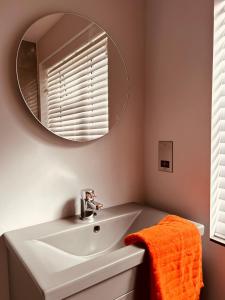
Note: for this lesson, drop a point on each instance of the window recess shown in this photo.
(217, 193)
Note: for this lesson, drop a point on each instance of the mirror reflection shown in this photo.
(71, 76)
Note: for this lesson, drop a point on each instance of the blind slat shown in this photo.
(83, 132)
(85, 105)
(89, 82)
(80, 121)
(77, 101)
(84, 94)
(88, 62)
(83, 138)
(87, 126)
(76, 80)
(77, 57)
(81, 115)
(91, 109)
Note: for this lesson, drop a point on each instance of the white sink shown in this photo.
(69, 255)
(81, 242)
(93, 239)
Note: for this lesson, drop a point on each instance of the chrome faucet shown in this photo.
(88, 204)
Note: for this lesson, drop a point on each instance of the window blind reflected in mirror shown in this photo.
(77, 92)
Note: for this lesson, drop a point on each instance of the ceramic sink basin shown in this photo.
(93, 239)
(82, 242)
(69, 255)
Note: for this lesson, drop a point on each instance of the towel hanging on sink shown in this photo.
(175, 251)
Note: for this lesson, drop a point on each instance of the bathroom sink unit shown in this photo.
(75, 259)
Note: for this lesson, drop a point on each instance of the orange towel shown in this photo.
(174, 246)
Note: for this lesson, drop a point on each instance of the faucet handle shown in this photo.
(88, 194)
(98, 205)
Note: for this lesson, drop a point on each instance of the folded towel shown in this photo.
(174, 247)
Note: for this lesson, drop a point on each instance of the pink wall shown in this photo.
(59, 34)
(178, 106)
(178, 103)
(40, 173)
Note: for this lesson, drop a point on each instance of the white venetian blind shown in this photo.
(78, 92)
(217, 209)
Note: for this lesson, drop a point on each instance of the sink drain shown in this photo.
(96, 228)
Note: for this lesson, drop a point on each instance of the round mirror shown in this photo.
(71, 76)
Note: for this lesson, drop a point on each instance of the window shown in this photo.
(77, 92)
(217, 211)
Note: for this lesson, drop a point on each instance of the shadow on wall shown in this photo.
(69, 208)
(4, 287)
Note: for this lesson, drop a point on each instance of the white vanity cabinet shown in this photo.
(124, 286)
(120, 287)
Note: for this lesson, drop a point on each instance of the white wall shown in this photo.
(41, 173)
(178, 105)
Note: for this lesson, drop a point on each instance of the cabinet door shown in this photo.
(110, 289)
(128, 296)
